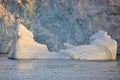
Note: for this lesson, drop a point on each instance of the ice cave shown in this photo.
(59, 29)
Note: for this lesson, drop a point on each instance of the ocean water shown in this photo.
(58, 69)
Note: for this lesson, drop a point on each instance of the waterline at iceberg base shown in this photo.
(101, 47)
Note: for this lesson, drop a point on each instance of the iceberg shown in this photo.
(101, 47)
(26, 48)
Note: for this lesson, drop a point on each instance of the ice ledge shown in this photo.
(101, 47)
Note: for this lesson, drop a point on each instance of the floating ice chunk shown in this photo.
(26, 48)
(101, 47)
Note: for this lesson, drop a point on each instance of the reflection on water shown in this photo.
(25, 66)
(59, 70)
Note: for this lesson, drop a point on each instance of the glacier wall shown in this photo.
(55, 22)
(7, 29)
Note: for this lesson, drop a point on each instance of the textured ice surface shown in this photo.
(26, 48)
(55, 22)
(101, 47)
(7, 29)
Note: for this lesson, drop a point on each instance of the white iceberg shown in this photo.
(26, 48)
(101, 47)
